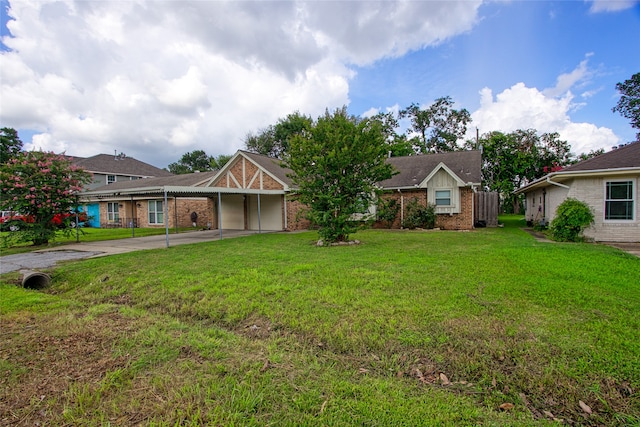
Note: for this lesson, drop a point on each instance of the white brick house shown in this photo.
(608, 183)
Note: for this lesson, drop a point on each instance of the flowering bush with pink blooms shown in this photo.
(41, 186)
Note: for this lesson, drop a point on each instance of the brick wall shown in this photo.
(461, 221)
(295, 216)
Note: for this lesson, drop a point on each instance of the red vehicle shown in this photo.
(11, 221)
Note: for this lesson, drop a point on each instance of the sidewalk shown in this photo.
(47, 258)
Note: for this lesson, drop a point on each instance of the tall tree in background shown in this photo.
(10, 144)
(198, 161)
(397, 144)
(42, 187)
(274, 140)
(629, 103)
(515, 159)
(336, 165)
(438, 127)
(190, 162)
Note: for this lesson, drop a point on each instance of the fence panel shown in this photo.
(486, 206)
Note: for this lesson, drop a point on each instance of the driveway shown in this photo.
(47, 258)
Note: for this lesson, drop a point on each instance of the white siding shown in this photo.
(232, 211)
(270, 212)
(443, 181)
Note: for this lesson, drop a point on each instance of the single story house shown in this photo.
(254, 192)
(608, 183)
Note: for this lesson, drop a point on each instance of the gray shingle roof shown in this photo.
(116, 165)
(185, 180)
(414, 169)
(624, 157)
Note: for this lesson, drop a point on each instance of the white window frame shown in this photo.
(113, 212)
(156, 216)
(630, 201)
(111, 179)
(449, 198)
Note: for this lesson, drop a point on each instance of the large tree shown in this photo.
(191, 162)
(336, 165)
(629, 103)
(517, 158)
(198, 161)
(274, 140)
(42, 187)
(10, 144)
(438, 127)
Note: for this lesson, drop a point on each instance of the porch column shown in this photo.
(220, 214)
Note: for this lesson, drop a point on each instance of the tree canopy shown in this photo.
(629, 103)
(438, 127)
(10, 144)
(512, 160)
(198, 161)
(274, 140)
(336, 165)
(42, 188)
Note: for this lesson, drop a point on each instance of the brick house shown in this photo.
(108, 169)
(608, 183)
(254, 192)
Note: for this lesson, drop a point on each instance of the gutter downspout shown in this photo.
(556, 183)
(473, 206)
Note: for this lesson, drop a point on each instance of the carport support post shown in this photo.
(220, 214)
(259, 225)
(166, 217)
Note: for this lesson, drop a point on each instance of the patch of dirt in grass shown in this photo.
(254, 327)
(43, 360)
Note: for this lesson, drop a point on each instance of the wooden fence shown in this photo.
(486, 206)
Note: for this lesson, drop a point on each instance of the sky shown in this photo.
(158, 79)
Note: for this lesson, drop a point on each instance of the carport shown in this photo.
(236, 208)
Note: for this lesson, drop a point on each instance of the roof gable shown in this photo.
(415, 171)
(442, 166)
(265, 164)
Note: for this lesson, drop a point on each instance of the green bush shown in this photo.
(387, 211)
(419, 216)
(572, 217)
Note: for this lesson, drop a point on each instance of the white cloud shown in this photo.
(521, 107)
(611, 5)
(158, 79)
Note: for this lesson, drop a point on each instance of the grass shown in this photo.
(85, 235)
(408, 328)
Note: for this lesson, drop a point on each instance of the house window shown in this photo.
(619, 200)
(443, 197)
(112, 212)
(111, 179)
(156, 215)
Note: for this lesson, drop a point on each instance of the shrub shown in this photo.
(572, 217)
(419, 216)
(387, 211)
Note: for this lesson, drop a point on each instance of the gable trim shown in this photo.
(435, 170)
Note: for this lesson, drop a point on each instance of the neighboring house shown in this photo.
(608, 183)
(446, 180)
(110, 169)
(254, 192)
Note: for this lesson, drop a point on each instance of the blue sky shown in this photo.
(158, 79)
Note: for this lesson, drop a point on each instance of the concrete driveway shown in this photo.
(47, 258)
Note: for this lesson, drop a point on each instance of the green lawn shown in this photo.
(408, 328)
